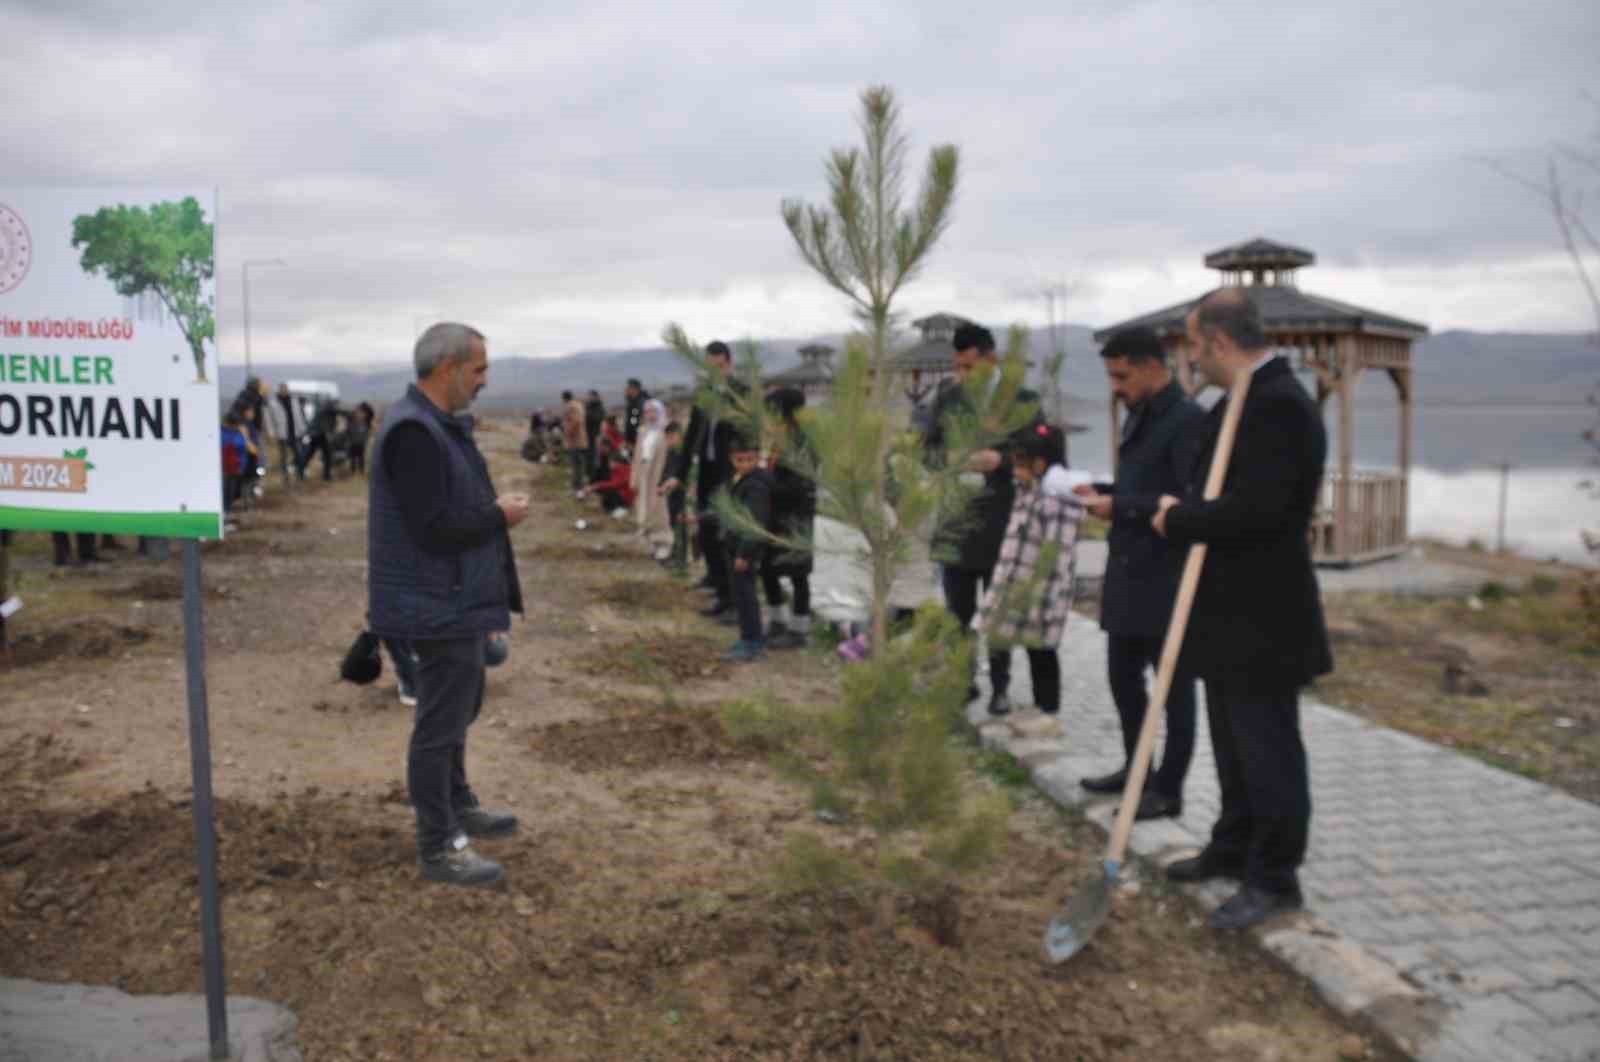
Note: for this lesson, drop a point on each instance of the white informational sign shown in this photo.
(108, 362)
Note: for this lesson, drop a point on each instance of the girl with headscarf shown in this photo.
(650, 508)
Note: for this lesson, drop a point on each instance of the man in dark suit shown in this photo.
(1256, 635)
(1154, 458)
(708, 441)
(969, 545)
(633, 412)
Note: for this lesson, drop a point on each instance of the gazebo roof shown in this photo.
(815, 368)
(1284, 307)
(927, 355)
(807, 372)
(931, 353)
(1260, 253)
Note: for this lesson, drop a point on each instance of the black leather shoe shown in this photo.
(717, 608)
(481, 822)
(1203, 867)
(1251, 906)
(1106, 783)
(1000, 704)
(461, 866)
(1155, 806)
(973, 693)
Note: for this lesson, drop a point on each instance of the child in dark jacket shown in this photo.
(752, 488)
(678, 559)
(794, 510)
(235, 455)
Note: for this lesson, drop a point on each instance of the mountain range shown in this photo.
(1452, 368)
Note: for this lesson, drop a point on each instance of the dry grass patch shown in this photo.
(1508, 676)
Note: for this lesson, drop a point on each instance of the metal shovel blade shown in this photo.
(1082, 914)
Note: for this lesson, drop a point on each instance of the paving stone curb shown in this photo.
(42, 1022)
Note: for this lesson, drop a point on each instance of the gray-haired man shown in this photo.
(441, 576)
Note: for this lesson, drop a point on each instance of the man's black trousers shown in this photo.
(711, 548)
(450, 681)
(1127, 655)
(1266, 790)
(961, 589)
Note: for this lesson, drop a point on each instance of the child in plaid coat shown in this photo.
(1030, 595)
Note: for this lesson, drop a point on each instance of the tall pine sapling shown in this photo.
(895, 765)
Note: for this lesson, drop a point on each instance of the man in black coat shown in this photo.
(633, 412)
(1256, 635)
(1154, 457)
(968, 546)
(708, 440)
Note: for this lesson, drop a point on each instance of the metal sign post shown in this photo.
(194, 651)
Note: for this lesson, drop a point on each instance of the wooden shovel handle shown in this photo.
(1176, 628)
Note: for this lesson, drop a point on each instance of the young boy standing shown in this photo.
(678, 560)
(792, 464)
(752, 488)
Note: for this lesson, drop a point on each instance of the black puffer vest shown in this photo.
(417, 593)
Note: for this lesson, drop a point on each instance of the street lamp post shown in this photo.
(249, 369)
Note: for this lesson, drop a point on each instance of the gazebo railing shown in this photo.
(1375, 521)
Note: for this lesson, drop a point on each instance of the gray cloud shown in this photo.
(567, 177)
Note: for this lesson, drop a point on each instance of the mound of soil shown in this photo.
(655, 657)
(260, 545)
(654, 595)
(30, 762)
(90, 638)
(640, 741)
(159, 586)
(585, 957)
(585, 549)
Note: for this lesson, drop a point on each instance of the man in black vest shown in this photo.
(968, 546)
(1256, 635)
(708, 442)
(1154, 458)
(633, 412)
(441, 576)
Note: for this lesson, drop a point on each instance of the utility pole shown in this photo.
(249, 368)
(1051, 377)
(1505, 484)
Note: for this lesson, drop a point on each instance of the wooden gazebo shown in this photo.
(928, 361)
(813, 376)
(1364, 514)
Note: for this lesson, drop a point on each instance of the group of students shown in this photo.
(642, 463)
(258, 422)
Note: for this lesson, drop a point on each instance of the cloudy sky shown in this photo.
(572, 176)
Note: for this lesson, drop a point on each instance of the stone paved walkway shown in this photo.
(1455, 905)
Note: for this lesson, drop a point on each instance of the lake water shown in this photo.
(1455, 484)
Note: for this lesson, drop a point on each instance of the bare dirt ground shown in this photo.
(640, 919)
(1510, 674)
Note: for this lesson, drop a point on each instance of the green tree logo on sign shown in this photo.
(167, 250)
